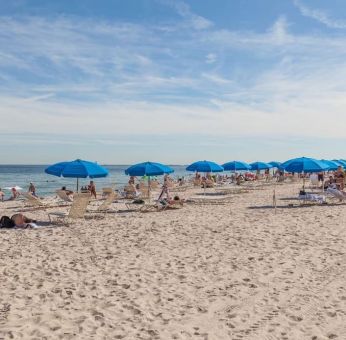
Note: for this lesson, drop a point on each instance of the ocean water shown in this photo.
(22, 175)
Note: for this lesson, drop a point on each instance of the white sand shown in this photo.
(201, 272)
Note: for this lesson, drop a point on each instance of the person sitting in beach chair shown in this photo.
(67, 192)
(130, 191)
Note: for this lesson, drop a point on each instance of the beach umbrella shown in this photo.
(77, 169)
(260, 166)
(236, 165)
(148, 169)
(275, 164)
(332, 165)
(338, 162)
(343, 162)
(304, 165)
(205, 166)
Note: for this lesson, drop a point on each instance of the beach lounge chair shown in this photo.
(104, 207)
(337, 194)
(312, 198)
(33, 201)
(77, 209)
(162, 205)
(106, 192)
(63, 196)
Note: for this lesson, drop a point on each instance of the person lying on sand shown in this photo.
(21, 221)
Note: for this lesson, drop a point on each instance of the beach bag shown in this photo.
(6, 222)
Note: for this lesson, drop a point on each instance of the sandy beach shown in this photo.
(233, 271)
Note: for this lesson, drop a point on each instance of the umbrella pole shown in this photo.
(77, 184)
(303, 181)
(149, 188)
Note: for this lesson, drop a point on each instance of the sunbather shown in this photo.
(21, 221)
(68, 192)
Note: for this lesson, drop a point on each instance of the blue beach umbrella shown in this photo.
(339, 162)
(148, 169)
(332, 165)
(275, 164)
(77, 169)
(304, 164)
(260, 166)
(205, 166)
(343, 162)
(236, 166)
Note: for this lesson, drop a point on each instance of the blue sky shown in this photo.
(172, 81)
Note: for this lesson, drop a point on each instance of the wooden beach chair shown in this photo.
(77, 209)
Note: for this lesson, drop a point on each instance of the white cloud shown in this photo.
(319, 15)
(128, 80)
(210, 58)
(183, 9)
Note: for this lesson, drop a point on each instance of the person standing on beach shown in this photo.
(92, 188)
(32, 189)
(2, 195)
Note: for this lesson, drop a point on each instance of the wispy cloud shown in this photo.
(183, 9)
(64, 74)
(319, 15)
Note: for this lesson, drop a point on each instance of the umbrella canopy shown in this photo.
(236, 165)
(260, 166)
(77, 169)
(343, 162)
(304, 164)
(338, 162)
(148, 169)
(275, 164)
(332, 165)
(205, 166)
